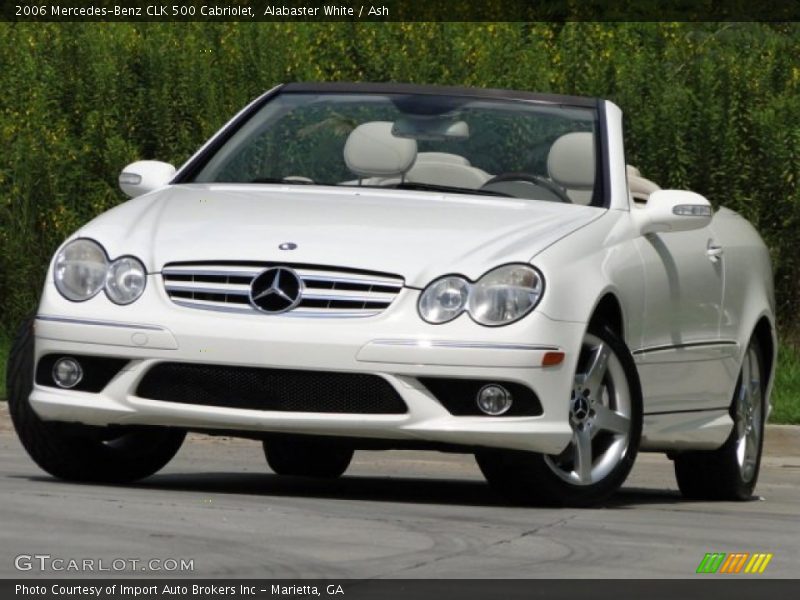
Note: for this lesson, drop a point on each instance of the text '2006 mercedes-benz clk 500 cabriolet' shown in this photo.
(374, 266)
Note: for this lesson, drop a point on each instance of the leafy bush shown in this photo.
(711, 107)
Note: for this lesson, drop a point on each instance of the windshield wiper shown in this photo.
(432, 187)
(281, 180)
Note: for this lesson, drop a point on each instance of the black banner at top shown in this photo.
(399, 10)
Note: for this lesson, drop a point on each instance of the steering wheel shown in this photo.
(530, 178)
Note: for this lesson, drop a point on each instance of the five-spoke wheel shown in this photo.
(600, 417)
(605, 415)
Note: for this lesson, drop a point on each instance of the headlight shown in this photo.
(80, 270)
(500, 297)
(505, 294)
(125, 280)
(444, 299)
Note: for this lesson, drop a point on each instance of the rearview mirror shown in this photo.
(145, 176)
(673, 210)
(434, 128)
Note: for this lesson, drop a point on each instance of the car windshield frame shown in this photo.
(601, 195)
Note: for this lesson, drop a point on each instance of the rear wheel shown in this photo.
(606, 419)
(78, 452)
(731, 472)
(307, 458)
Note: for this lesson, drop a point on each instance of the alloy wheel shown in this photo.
(748, 416)
(599, 415)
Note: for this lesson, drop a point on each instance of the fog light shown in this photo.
(494, 399)
(67, 373)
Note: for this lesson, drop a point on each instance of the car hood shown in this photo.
(418, 235)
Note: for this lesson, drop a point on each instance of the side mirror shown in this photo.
(673, 210)
(145, 176)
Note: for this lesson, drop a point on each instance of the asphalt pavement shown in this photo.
(393, 514)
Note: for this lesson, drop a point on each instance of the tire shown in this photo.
(731, 471)
(77, 452)
(307, 458)
(606, 419)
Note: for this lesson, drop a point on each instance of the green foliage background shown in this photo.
(711, 107)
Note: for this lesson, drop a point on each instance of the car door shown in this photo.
(680, 358)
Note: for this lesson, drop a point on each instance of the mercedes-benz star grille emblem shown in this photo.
(276, 290)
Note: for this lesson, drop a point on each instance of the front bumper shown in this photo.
(396, 345)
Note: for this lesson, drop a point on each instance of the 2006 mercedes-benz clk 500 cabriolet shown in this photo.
(374, 266)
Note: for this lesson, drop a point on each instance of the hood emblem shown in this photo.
(288, 246)
(276, 290)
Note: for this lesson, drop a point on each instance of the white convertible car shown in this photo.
(373, 266)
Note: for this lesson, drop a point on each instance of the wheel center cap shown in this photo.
(580, 408)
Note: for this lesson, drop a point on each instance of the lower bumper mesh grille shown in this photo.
(271, 389)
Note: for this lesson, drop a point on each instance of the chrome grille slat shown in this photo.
(219, 272)
(347, 295)
(220, 306)
(235, 290)
(328, 291)
(316, 276)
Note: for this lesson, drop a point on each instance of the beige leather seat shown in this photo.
(442, 157)
(447, 173)
(374, 154)
(571, 164)
(640, 187)
(445, 168)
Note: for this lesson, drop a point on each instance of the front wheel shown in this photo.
(605, 415)
(731, 472)
(77, 452)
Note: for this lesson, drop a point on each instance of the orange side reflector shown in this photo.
(551, 359)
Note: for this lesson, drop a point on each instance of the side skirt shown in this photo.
(689, 430)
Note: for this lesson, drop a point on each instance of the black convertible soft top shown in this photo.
(440, 90)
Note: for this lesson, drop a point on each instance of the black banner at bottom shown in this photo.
(702, 588)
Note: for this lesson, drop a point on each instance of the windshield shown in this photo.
(520, 149)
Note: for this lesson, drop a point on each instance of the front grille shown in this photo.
(271, 389)
(328, 291)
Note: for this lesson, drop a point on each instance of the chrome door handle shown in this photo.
(714, 251)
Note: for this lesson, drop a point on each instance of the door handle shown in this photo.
(714, 251)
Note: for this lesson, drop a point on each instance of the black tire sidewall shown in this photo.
(73, 451)
(307, 458)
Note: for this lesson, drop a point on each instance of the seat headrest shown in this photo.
(640, 187)
(571, 161)
(632, 171)
(372, 151)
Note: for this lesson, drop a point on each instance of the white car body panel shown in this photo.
(686, 318)
(618, 184)
(374, 229)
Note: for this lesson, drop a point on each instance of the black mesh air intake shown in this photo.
(271, 389)
(98, 371)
